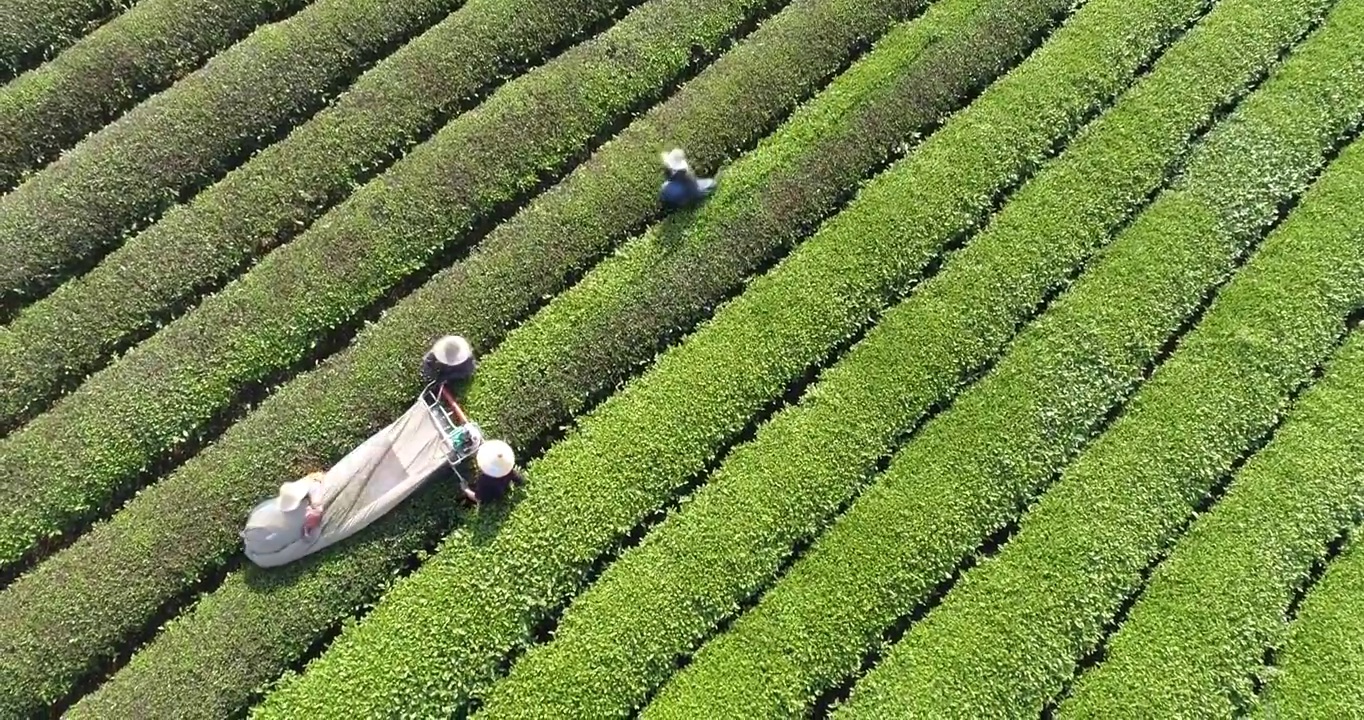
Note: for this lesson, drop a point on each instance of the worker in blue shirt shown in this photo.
(681, 187)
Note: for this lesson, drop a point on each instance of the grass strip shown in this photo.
(136, 54)
(77, 459)
(33, 30)
(619, 640)
(1319, 673)
(1043, 602)
(971, 467)
(83, 604)
(123, 177)
(1194, 641)
(275, 195)
(580, 476)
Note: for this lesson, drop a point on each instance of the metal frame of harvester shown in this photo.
(462, 436)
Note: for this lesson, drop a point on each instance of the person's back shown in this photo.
(680, 186)
(677, 192)
(488, 488)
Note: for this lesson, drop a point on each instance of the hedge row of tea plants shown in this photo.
(31, 30)
(609, 488)
(277, 194)
(80, 606)
(969, 470)
(662, 284)
(1039, 606)
(114, 68)
(68, 464)
(123, 177)
(618, 640)
(1194, 641)
(1319, 671)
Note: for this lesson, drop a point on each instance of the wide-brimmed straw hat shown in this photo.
(292, 494)
(675, 159)
(452, 349)
(495, 458)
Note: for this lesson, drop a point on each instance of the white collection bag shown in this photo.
(368, 482)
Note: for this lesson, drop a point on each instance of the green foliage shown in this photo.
(83, 603)
(1038, 607)
(122, 177)
(286, 253)
(67, 464)
(117, 66)
(593, 487)
(277, 194)
(659, 286)
(1194, 641)
(1320, 670)
(970, 469)
(31, 30)
(618, 640)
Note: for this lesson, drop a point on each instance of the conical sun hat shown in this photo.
(496, 458)
(452, 349)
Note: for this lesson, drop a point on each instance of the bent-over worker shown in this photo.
(496, 472)
(450, 358)
(681, 187)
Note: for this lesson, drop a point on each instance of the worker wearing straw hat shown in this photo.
(295, 493)
(496, 472)
(450, 358)
(681, 187)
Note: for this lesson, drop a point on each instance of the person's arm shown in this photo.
(312, 520)
(312, 517)
(469, 493)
